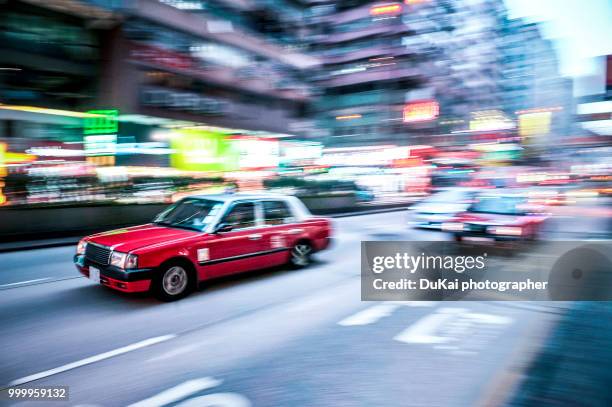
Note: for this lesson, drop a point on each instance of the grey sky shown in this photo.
(580, 29)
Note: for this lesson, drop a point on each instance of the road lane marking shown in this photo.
(369, 315)
(416, 303)
(489, 318)
(178, 392)
(449, 325)
(217, 400)
(174, 352)
(423, 331)
(24, 282)
(40, 281)
(92, 359)
(377, 312)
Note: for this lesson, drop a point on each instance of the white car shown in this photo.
(440, 207)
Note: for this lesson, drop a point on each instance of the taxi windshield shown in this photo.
(501, 205)
(191, 213)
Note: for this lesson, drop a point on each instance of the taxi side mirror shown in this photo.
(223, 227)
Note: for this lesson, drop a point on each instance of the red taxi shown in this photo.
(498, 217)
(203, 237)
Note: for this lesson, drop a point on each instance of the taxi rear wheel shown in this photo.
(173, 282)
(301, 254)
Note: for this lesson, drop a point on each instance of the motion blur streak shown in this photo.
(250, 330)
(471, 124)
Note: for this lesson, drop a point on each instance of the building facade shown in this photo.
(219, 63)
(369, 72)
(430, 72)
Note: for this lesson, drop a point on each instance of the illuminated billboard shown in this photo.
(534, 124)
(386, 9)
(100, 128)
(203, 150)
(421, 111)
(256, 153)
(102, 122)
(300, 153)
(490, 120)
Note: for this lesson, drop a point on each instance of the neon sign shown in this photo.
(386, 9)
(103, 122)
(421, 111)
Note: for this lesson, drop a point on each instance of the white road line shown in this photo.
(217, 400)
(92, 359)
(416, 303)
(174, 352)
(179, 392)
(489, 318)
(423, 331)
(370, 315)
(25, 282)
(377, 312)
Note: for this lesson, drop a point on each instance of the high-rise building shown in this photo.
(532, 86)
(226, 63)
(404, 72)
(207, 65)
(370, 70)
(50, 58)
(345, 73)
(398, 72)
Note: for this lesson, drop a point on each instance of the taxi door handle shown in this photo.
(295, 231)
(255, 237)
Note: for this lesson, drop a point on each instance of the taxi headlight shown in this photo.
(131, 261)
(81, 247)
(118, 259)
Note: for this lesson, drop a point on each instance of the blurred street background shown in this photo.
(390, 116)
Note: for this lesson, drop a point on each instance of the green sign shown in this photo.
(106, 123)
(203, 150)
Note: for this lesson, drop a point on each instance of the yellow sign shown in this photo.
(534, 124)
(12, 158)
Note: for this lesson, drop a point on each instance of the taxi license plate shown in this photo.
(94, 274)
(478, 239)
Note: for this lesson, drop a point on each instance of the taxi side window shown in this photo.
(242, 215)
(276, 213)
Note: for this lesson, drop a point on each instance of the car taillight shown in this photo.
(506, 230)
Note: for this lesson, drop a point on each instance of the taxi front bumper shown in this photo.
(130, 281)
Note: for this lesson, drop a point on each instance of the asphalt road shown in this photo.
(271, 338)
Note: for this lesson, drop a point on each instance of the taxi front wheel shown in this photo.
(173, 282)
(301, 255)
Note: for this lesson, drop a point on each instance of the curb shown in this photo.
(37, 244)
(369, 212)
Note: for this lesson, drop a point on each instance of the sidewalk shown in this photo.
(573, 367)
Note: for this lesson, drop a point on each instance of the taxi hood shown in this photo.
(137, 237)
